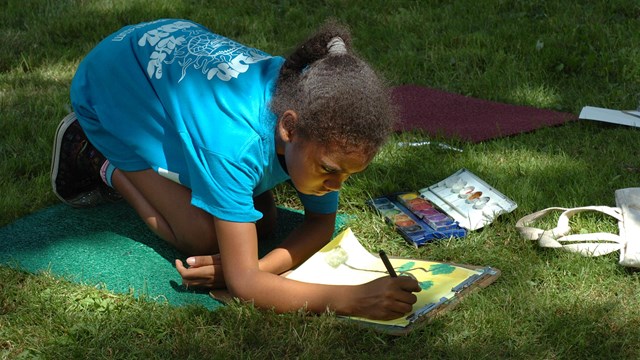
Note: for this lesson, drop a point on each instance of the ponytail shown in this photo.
(315, 48)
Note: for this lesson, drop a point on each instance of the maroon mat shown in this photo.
(448, 115)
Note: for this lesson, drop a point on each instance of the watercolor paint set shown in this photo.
(449, 208)
(468, 199)
(418, 220)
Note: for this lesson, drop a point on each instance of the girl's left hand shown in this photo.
(203, 271)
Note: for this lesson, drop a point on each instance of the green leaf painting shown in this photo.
(425, 285)
(441, 269)
(406, 266)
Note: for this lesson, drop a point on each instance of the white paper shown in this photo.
(628, 118)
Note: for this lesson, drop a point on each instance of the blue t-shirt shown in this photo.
(192, 105)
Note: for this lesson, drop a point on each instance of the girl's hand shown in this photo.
(203, 271)
(385, 298)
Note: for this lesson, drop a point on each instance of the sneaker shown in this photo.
(75, 167)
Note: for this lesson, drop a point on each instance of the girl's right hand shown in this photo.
(386, 298)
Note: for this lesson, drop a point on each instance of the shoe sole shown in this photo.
(55, 158)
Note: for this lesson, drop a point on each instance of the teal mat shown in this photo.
(109, 245)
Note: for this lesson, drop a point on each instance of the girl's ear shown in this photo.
(287, 125)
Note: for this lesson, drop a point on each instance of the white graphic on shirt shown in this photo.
(214, 55)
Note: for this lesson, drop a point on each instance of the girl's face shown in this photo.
(317, 170)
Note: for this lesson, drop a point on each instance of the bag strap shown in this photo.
(593, 244)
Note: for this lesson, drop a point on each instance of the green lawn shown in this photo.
(559, 55)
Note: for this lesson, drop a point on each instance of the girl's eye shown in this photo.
(327, 169)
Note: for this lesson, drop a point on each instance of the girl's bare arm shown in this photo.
(384, 298)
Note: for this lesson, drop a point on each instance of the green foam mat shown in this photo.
(109, 245)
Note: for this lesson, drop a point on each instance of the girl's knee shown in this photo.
(166, 208)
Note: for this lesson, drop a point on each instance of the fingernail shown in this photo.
(191, 261)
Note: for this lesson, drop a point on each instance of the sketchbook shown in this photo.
(344, 261)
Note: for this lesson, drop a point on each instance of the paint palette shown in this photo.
(418, 220)
(447, 209)
(468, 199)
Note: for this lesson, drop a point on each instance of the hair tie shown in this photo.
(336, 46)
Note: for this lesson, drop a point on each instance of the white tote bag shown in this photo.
(627, 241)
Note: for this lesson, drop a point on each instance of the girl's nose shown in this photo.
(334, 183)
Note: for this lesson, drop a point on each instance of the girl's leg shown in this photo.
(165, 207)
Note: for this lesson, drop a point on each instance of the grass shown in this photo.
(560, 55)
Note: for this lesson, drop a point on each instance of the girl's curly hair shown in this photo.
(340, 100)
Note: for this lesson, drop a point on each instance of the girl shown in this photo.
(193, 130)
